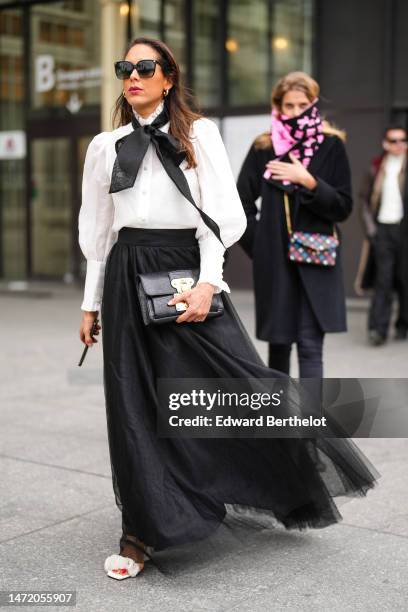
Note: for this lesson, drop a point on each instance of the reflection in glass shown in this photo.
(265, 40)
(145, 18)
(11, 71)
(206, 52)
(66, 54)
(51, 207)
(12, 184)
(291, 41)
(175, 31)
(247, 49)
(13, 219)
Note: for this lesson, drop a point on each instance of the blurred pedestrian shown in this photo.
(384, 259)
(300, 170)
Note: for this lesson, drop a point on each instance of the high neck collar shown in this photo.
(396, 158)
(152, 116)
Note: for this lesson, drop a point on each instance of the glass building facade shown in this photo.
(230, 53)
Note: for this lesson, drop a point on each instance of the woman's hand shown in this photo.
(294, 172)
(86, 326)
(198, 300)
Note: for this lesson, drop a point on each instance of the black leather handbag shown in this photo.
(155, 289)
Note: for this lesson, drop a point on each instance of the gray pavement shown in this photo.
(58, 518)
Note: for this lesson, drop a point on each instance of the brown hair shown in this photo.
(299, 81)
(181, 115)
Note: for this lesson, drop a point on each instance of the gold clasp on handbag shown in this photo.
(182, 284)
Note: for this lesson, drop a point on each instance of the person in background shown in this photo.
(384, 261)
(306, 158)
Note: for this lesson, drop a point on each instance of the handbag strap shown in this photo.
(287, 214)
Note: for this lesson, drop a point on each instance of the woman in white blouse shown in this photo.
(136, 218)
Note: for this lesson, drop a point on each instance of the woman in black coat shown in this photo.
(295, 302)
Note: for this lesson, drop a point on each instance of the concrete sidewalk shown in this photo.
(58, 517)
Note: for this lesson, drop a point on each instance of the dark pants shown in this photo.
(309, 345)
(387, 247)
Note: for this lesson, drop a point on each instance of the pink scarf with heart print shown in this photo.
(301, 135)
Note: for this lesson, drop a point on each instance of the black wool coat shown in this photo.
(277, 280)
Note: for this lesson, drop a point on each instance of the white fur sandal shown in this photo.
(120, 567)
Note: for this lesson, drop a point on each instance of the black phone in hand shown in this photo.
(93, 330)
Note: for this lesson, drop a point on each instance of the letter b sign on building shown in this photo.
(44, 73)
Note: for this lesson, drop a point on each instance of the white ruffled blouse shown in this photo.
(155, 202)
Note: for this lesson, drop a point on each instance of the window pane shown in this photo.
(66, 55)
(51, 207)
(247, 51)
(265, 40)
(174, 30)
(206, 52)
(12, 178)
(145, 18)
(291, 36)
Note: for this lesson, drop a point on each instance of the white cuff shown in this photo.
(220, 285)
(211, 262)
(95, 273)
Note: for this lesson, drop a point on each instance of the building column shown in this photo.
(114, 16)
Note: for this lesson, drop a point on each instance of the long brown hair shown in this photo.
(181, 115)
(299, 81)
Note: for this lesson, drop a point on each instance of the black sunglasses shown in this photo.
(396, 140)
(145, 68)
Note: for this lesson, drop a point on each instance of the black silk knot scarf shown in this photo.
(131, 149)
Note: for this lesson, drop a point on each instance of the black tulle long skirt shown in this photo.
(175, 490)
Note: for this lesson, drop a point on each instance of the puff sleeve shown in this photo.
(95, 234)
(219, 198)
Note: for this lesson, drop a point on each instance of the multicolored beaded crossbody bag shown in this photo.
(310, 247)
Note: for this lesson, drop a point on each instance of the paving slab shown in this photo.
(59, 520)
